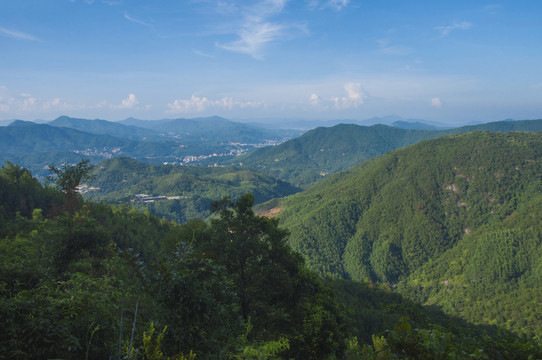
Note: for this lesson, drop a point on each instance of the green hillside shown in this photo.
(463, 210)
(324, 151)
(194, 188)
(84, 280)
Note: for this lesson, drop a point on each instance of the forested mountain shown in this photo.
(323, 151)
(80, 280)
(449, 219)
(23, 137)
(37, 145)
(190, 190)
(105, 127)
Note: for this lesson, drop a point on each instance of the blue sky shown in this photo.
(447, 61)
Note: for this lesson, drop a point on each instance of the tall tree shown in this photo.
(276, 293)
(69, 178)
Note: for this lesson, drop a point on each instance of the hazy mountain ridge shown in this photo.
(213, 129)
(104, 127)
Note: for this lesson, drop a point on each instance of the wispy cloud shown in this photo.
(91, 2)
(435, 102)
(15, 34)
(446, 30)
(338, 4)
(199, 104)
(201, 53)
(253, 37)
(137, 21)
(385, 47)
(492, 9)
(257, 29)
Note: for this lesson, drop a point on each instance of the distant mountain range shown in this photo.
(179, 141)
(323, 151)
(213, 129)
(392, 120)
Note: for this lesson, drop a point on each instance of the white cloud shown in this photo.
(257, 29)
(130, 102)
(446, 30)
(57, 104)
(435, 102)
(353, 98)
(199, 104)
(314, 99)
(15, 34)
(194, 104)
(28, 102)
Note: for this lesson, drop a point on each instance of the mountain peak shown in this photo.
(22, 123)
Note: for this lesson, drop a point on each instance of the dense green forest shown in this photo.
(190, 189)
(326, 151)
(85, 280)
(453, 221)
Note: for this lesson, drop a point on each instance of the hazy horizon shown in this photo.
(455, 63)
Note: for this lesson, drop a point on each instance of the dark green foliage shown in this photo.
(197, 301)
(57, 319)
(274, 291)
(21, 193)
(87, 283)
